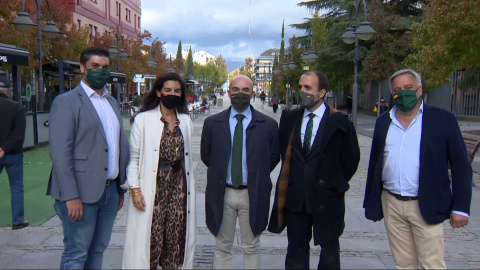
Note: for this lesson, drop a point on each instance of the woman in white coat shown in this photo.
(161, 213)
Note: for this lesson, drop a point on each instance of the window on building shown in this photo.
(79, 22)
(138, 21)
(78, 2)
(95, 28)
(117, 8)
(127, 15)
(135, 21)
(91, 31)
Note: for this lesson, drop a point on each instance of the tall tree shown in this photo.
(189, 67)
(282, 44)
(447, 40)
(247, 69)
(177, 63)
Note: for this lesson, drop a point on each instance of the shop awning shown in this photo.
(13, 55)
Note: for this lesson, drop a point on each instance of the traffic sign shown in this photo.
(28, 92)
(287, 85)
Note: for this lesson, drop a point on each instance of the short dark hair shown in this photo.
(322, 79)
(89, 51)
(151, 100)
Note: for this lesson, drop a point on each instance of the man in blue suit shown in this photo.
(408, 182)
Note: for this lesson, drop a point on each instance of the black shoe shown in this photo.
(20, 226)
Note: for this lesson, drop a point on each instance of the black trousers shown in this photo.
(299, 233)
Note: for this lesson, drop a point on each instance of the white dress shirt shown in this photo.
(401, 157)
(316, 122)
(111, 127)
(233, 123)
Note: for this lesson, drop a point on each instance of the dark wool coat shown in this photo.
(262, 156)
(320, 180)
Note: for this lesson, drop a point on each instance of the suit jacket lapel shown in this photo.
(224, 124)
(297, 129)
(426, 131)
(91, 109)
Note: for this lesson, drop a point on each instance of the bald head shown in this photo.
(241, 79)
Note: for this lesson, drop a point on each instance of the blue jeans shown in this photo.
(86, 240)
(14, 166)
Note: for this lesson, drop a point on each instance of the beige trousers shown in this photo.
(413, 241)
(236, 204)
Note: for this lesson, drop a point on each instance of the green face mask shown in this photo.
(98, 77)
(405, 100)
(240, 101)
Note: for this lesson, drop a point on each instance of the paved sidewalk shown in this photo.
(364, 243)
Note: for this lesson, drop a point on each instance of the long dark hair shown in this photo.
(151, 100)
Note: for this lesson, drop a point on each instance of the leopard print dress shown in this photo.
(169, 221)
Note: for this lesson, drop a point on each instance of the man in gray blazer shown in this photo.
(89, 151)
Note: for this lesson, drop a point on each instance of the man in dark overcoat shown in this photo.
(320, 154)
(240, 148)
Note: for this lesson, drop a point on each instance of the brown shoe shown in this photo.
(20, 226)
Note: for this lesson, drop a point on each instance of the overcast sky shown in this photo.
(222, 26)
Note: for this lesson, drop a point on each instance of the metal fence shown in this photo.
(464, 102)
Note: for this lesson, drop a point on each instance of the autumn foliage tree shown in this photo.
(447, 40)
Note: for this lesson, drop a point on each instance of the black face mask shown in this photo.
(170, 101)
(240, 101)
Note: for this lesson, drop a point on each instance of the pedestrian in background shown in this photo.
(161, 224)
(240, 148)
(275, 103)
(12, 135)
(320, 154)
(89, 151)
(408, 181)
(383, 105)
(263, 97)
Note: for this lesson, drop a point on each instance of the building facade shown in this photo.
(104, 15)
(264, 69)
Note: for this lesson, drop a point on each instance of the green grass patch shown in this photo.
(36, 171)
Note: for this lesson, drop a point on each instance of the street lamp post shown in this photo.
(117, 50)
(363, 31)
(182, 73)
(23, 23)
(170, 67)
(309, 56)
(277, 72)
(287, 67)
(152, 63)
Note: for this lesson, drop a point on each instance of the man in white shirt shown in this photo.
(89, 151)
(408, 182)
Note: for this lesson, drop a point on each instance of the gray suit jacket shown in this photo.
(79, 150)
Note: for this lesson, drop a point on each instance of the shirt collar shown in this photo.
(318, 112)
(90, 91)
(247, 113)
(394, 110)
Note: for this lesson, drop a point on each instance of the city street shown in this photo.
(364, 244)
